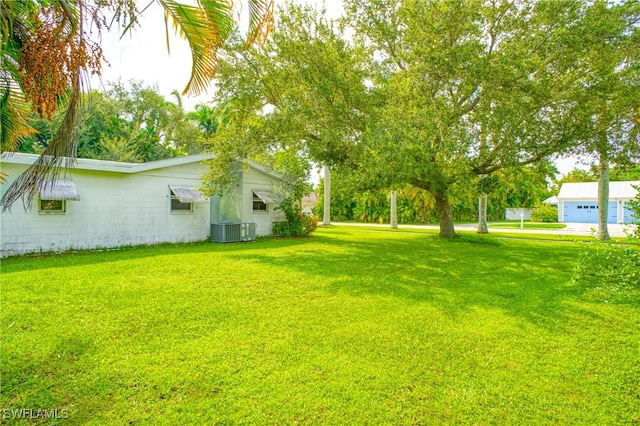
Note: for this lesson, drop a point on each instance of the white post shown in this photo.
(521, 220)
(394, 211)
(326, 217)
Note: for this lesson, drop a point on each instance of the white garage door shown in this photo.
(587, 212)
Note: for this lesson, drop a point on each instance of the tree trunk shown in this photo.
(603, 198)
(446, 218)
(326, 217)
(483, 228)
(394, 211)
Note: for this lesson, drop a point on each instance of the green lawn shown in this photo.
(347, 327)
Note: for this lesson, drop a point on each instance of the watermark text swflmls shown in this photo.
(34, 413)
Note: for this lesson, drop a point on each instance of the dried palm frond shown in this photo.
(57, 158)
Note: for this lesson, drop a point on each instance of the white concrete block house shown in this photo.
(578, 202)
(111, 204)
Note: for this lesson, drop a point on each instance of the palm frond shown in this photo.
(205, 27)
(13, 117)
(59, 156)
(260, 21)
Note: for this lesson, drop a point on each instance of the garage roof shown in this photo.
(589, 190)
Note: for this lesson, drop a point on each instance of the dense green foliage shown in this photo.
(296, 224)
(523, 187)
(635, 207)
(545, 213)
(132, 123)
(346, 327)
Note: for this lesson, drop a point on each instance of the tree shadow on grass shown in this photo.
(526, 279)
(523, 279)
(35, 261)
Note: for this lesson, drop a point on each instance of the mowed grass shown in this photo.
(347, 327)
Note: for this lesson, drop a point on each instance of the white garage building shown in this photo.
(578, 202)
(112, 204)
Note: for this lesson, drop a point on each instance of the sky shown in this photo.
(142, 55)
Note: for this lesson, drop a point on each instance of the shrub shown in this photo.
(634, 231)
(545, 213)
(300, 225)
(297, 224)
(613, 271)
(309, 224)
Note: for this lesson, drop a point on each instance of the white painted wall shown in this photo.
(123, 204)
(620, 203)
(514, 213)
(116, 209)
(560, 211)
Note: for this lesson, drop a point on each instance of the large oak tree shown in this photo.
(427, 93)
(472, 87)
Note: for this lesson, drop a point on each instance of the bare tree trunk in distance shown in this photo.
(446, 219)
(394, 210)
(326, 217)
(483, 228)
(603, 198)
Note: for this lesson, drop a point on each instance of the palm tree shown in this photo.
(13, 105)
(46, 50)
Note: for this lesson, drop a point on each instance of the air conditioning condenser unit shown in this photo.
(232, 232)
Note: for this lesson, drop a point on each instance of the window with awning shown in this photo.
(183, 197)
(262, 197)
(61, 190)
(186, 194)
(53, 196)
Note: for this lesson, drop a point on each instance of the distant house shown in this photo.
(111, 204)
(578, 202)
(309, 201)
(518, 213)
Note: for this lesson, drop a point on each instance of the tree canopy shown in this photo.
(129, 122)
(431, 94)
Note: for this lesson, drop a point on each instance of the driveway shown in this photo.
(571, 228)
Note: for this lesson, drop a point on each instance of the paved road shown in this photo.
(571, 228)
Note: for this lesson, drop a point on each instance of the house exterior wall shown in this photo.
(514, 213)
(578, 202)
(254, 179)
(115, 209)
(627, 213)
(619, 211)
